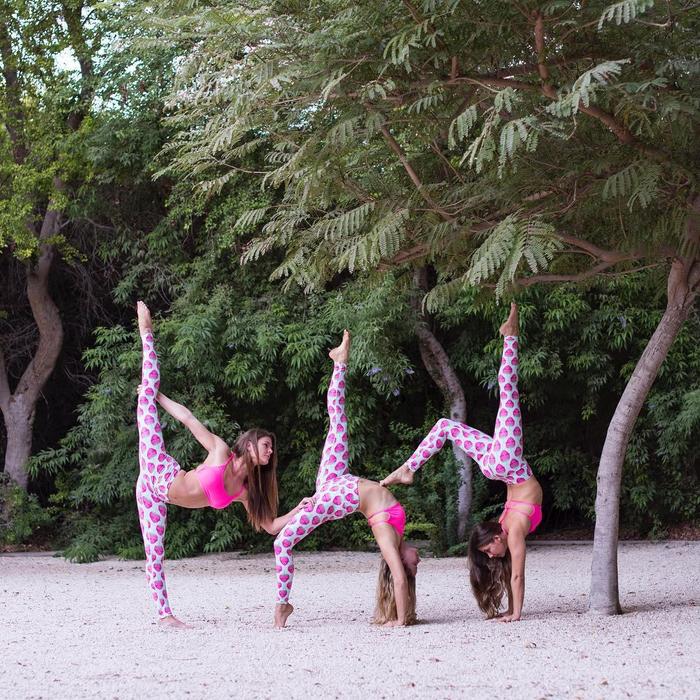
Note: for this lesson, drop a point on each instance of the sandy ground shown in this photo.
(88, 631)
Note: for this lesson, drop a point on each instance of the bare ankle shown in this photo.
(282, 612)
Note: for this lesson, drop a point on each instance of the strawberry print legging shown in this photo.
(499, 457)
(157, 470)
(336, 491)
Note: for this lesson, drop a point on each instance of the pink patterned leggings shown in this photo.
(157, 470)
(336, 491)
(499, 457)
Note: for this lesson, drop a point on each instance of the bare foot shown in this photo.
(340, 354)
(144, 315)
(511, 327)
(282, 612)
(172, 621)
(402, 475)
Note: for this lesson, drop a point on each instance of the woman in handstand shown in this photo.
(339, 493)
(496, 550)
(246, 473)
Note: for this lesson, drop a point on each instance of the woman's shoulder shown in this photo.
(221, 449)
(219, 456)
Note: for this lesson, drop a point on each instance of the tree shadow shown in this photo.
(656, 606)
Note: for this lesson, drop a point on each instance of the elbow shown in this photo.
(271, 528)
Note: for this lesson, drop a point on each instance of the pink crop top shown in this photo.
(211, 479)
(396, 517)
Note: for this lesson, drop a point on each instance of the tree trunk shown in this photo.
(442, 373)
(19, 423)
(682, 290)
(18, 408)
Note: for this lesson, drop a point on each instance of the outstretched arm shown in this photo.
(516, 546)
(205, 437)
(276, 525)
(387, 541)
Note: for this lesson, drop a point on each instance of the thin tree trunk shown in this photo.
(682, 290)
(19, 423)
(440, 369)
(19, 407)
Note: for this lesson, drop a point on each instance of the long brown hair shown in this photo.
(261, 479)
(490, 578)
(385, 608)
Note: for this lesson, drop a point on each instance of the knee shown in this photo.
(445, 424)
(282, 544)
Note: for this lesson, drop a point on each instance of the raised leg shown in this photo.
(475, 443)
(157, 468)
(499, 457)
(335, 456)
(505, 461)
(153, 460)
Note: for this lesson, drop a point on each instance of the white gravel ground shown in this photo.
(88, 631)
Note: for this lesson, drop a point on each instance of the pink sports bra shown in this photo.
(396, 518)
(211, 479)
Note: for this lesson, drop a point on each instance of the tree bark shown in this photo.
(682, 289)
(19, 423)
(440, 369)
(18, 407)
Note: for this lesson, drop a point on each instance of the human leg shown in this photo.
(335, 455)
(335, 500)
(505, 461)
(475, 443)
(157, 469)
(153, 516)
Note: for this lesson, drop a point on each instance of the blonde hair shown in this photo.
(261, 479)
(385, 608)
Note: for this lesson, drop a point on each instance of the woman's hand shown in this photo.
(507, 618)
(305, 503)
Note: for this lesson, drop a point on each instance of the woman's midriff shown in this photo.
(186, 491)
(374, 497)
(529, 491)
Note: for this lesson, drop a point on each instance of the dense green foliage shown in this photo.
(326, 106)
(492, 140)
(244, 358)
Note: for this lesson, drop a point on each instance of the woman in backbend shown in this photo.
(496, 549)
(339, 493)
(245, 473)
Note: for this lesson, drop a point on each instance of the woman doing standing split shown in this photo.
(246, 473)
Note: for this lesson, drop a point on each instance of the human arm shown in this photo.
(205, 437)
(516, 595)
(274, 526)
(388, 542)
